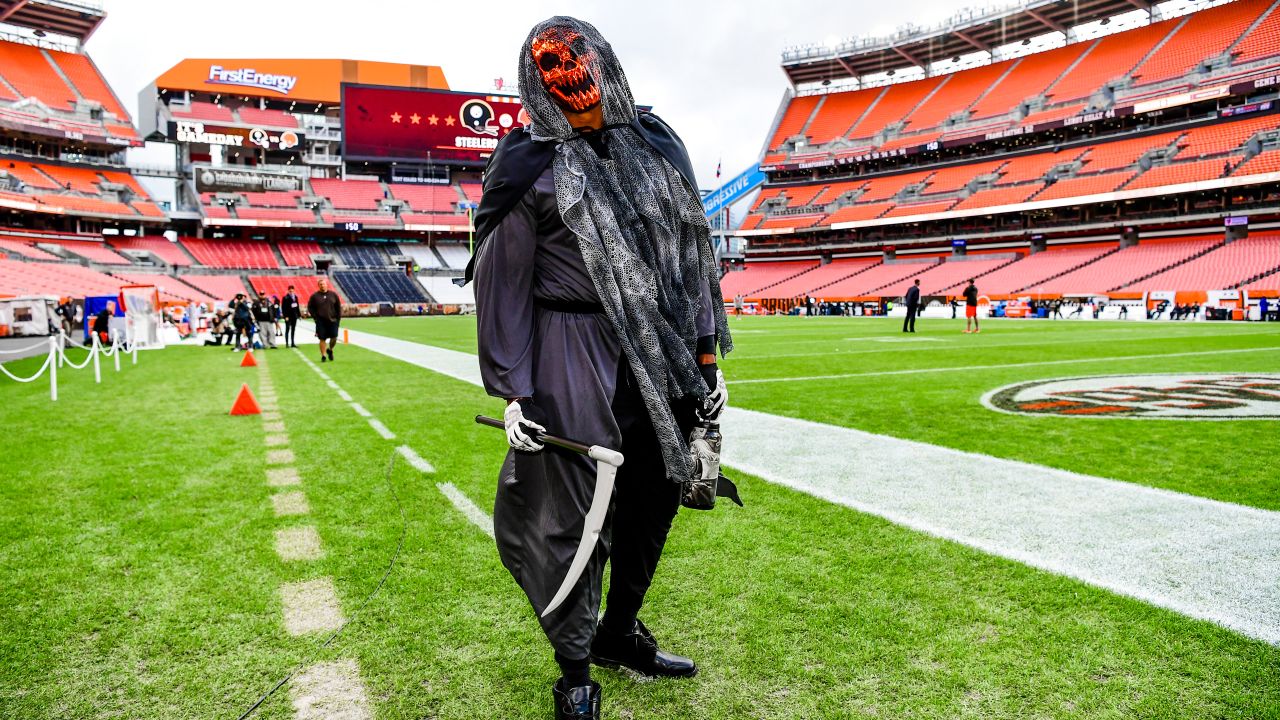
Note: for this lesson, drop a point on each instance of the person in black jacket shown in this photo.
(265, 321)
(242, 319)
(913, 307)
(291, 310)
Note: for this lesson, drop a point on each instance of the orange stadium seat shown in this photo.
(1036, 268)
(220, 287)
(297, 253)
(1176, 173)
(473, 191)
(1121, 268)
(160, 247)
(30, 174)
(883, 188)
(84, 75)
(296, 216)
(1223, 137)
(278, 285)
(349, 194)
(895, 104)
(272, 199)
(794, 119)
(427, 198)
(1082, 185)
(1030, 77)
(1265, 162)
(871, 280)
(1206, 34)
(922, 208)
(992, 197)
(759, 275)
(74, 178)
(791, 221)
(803, 195)
(231, 253)
(1105, 157)
(19, 277)
(250, 115)
(1034, 167)
(954, 178)
(203, 111)
(87, 205)
(960, 91)
(838, 114)
(1223, 269)
(1261, 42)
(29, 72)
(434, 219)
(816, 279)
(1111, 58)
(851, 213)
(25, 249)
(950, 275)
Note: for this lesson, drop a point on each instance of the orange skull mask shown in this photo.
(564, 72)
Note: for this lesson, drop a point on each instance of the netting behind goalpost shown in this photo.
(141, 305)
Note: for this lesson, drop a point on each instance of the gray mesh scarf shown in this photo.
(641, 230)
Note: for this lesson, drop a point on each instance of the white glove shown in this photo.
(517, 436)
(716, 399)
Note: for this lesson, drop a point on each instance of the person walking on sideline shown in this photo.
(291, 309)
(971, 307)
(325, 308)
(913, 307)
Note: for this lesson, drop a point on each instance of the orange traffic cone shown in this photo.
(248, 361)
(245, 403)
(346, 339)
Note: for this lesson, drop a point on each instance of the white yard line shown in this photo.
(290, 503)
(383, 430)
(967, 368)
(1210, 560)
(330, 691)
(310, 606)
(469, 510)
(283, 476)
(415, 459)
(280, 457)
(360, 409)
(298, 543)
(276, 440)
(344, 395)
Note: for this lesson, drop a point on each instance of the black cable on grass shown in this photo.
(404, 528)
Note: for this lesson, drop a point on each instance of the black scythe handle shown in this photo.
(574, 445)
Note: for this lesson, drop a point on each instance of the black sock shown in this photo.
(618, 620)
(577, 673)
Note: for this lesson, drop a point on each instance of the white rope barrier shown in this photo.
(63, 353)
(57, 357)
(33, 378)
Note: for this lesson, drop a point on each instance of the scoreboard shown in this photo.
(418, 125)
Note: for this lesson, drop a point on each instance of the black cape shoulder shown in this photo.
(519, 160)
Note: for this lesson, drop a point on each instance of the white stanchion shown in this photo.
(62, 346)
(54, 349)
(97, 370)
(115, 350)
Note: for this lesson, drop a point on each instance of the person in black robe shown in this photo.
(599, 317)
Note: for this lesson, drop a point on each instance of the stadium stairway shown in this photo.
(1069, 270)
(1183, 261)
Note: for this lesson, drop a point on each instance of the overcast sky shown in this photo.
(711, 69)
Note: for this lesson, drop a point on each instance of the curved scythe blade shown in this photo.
(607, 463)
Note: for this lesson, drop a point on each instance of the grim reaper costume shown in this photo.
(599, 315)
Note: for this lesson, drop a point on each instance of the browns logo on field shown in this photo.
(1195, 396)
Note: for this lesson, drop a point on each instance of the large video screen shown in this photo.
(413, 125)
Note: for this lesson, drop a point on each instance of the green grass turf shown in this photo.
(1224, 460)
(137, 577)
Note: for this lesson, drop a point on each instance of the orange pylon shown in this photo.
(245, 403)
(247, 360)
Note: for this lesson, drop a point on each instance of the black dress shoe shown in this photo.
(638, 651)
(576, 703)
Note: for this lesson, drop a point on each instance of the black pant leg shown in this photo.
(645, 503)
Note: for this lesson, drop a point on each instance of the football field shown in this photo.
(930, 531)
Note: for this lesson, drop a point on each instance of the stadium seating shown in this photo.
(894, 105)
(1222, 269)
(992, 197)
(1037, 268)
(1125, 267)
(954, 178)
(28, 70)
(91, 250)
(838, 114)
(422, 255)
(1082, 185)
(1264, 162)
(950, 276)
(471, 190)
(19, 277)
(207, 112)
(292, 216)
(960, 91)
(361, 256)
(1205, 35)
(866, 211)
(220, 287)
(349, 194)
(231, 253)
(1111, 58)
(447, 221)
(794, 119)
(814, 280)
(297, 253)
(1176, 173)
(1223, 137)
(455, 256)
(758, 276)
(272, 199)
(920, 208)
(427, 198)
(25, 249)
(250, 115)
(82, 73)
(1261, 42)
(170, 288)
(374, 286)
(870, 281)
(278, 285)
(160, 247)
(442, 290)
(1030, 77)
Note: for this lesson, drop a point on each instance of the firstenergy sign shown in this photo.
(248, 77)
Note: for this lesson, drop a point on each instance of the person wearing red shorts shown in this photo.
(971, 307)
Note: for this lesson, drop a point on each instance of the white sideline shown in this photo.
(310, 606)
(330, 691)
(469, 510)
(1038, 363)
(1206, 559)
(415, 459)
(383, 430)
